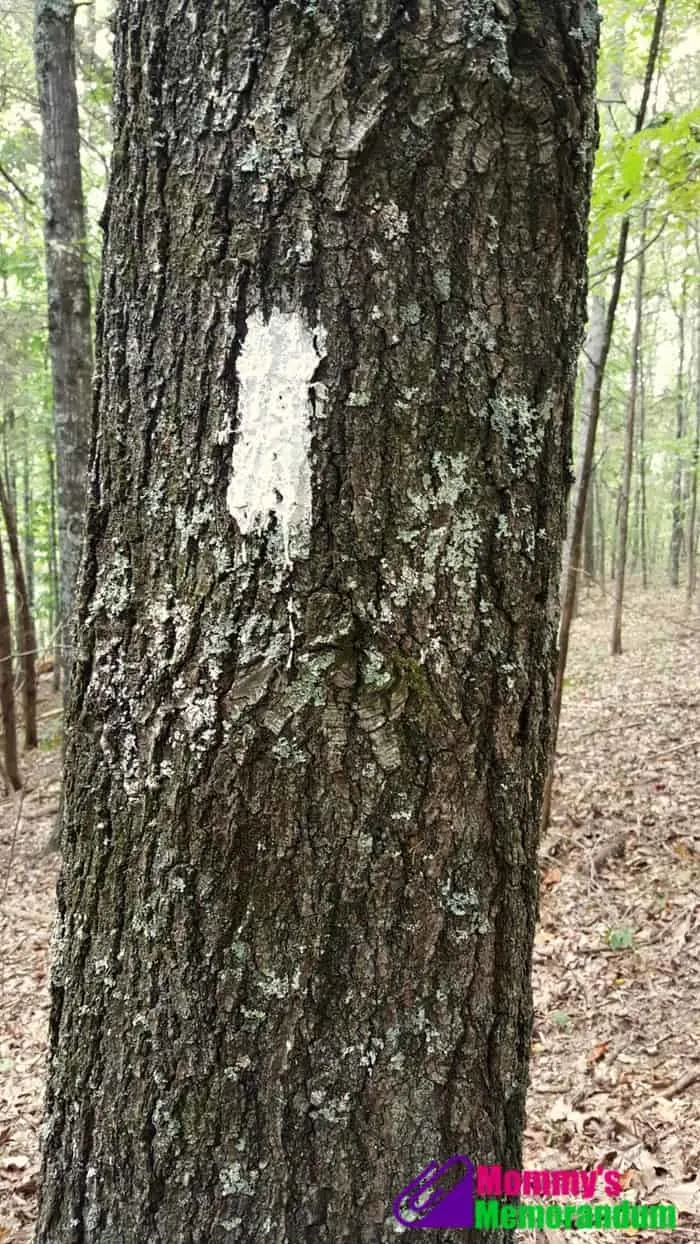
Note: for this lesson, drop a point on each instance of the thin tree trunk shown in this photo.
(587, 462)
(8, 436)
(634, 541)
(655, 542)
(11, 490)
(641, 466)
(7, 430)
(623, 517)
(601, 531)
(615, 528)
(695, 467)
(677, 488)
(309, 717)
(69, 320)
(27, 530)
(589, 562)
(592, 353)
(25, 624)
(7, 688)
(56, 627)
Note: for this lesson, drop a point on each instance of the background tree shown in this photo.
(628, 459)
(343, 293)
(10, 773)
(24, 365)
(652, 167)
(25, 623)
(692, 540)
(69, 317)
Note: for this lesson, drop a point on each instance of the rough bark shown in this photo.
(26, 633)
(628, 452)
(310, 713)
(69, 318)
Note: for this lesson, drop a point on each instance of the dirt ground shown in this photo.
(615, 1077)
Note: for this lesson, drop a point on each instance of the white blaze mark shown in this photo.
(271, 466)
(292, 633)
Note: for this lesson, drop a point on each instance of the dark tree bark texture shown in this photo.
(309, 723)
(69, 316)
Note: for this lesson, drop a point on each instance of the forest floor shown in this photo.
(615, 1075)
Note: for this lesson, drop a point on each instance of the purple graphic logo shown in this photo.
(441, 1196)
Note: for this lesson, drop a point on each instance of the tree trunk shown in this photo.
(591, 361)
(11, 772)
(574, 558)
(589, 563)
(597, 492)
(24, 623)
(8, 424)
(27, 530)
(592, 355)
(694, 467)
(69, 320)
(615, 526)
(628, 458)
(634, 538)
(677, 488)
(54, 573)
(309, 724)
(642, 469)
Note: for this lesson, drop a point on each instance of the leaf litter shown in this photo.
(617, 949)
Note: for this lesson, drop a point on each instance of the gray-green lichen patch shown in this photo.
(487, 26)
(374, 669)
(465, 904)
(289, 751)
(411, 313)
(589, 18)
(271, 985)
(442, 278)
(520, 426)
(392, 221)
(442, 536)
(330, 1109)
(235, 1181)
(112, 595)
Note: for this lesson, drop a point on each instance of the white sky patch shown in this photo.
(271, 456)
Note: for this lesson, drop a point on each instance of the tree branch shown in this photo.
(22, 193)
(597, 276)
